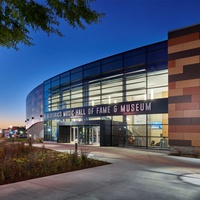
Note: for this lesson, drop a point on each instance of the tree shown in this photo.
(18, 17)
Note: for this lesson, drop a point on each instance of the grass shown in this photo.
(19, 162)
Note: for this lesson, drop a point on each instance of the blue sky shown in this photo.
(128, 24)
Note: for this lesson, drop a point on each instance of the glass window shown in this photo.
(158, 84)
(47, 82)
(135, 61)
(46, 95)
(112, 91)
(66, 99)
(135, 52)
(157, 93)
(76, 97)
(46, 109)
(76, 76)
(135, 83)
(158, 125)
(157, 46)
(112, 66)
(55, 78)
(135, 119)
(112, 59)
(94, 94)
(91, 65)
(118, 118)
(54, 130)
(65, 80)
(47, 87)
(78, 69)
(138, 134)
(156, 56)
(56, 104)
(136, 95)
(94, 118)
(55, 83)
(65, 74)
(157, 79)
(157, 66)
(92, 72)
(135, 87)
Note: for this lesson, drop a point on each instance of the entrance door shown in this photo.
(95, 135)
(74, 134)
(85, 135)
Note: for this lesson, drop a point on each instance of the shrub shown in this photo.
(21, 162)
(84, 154)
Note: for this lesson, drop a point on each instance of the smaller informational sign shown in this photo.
(156, 125)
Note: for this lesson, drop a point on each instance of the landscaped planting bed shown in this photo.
(19, 162)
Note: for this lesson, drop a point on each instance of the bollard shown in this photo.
(30, 142)
(13, 138)
(76, 146)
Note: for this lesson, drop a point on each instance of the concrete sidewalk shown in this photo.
(133, 174)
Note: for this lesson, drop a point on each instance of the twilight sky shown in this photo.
(128, 24)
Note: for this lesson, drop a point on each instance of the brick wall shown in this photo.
(184, 86)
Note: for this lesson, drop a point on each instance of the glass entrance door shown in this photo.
(85, 135)
(74, 134)
(95, 137)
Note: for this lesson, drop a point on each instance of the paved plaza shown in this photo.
(134, 174)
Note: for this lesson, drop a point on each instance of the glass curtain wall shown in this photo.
(148, 82)
(94, 95)
(76, 96)
(135, 75)
(34, 106)
(147, 130)
(59, 94)
(112, 90)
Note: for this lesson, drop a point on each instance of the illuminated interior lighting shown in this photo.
(109, 100)
(152, 96)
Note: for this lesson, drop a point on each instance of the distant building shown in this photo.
(146, 97)
(15, 131)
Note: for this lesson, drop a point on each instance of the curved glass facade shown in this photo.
(119, 100)
(146, 97)
(34, 106)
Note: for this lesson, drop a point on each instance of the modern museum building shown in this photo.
(146, 97)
